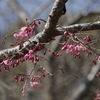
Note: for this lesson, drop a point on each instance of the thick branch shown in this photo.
(49, 31)
(57, 11)
(50, 27)
(41, 38)
(44, 36)
(80, 27)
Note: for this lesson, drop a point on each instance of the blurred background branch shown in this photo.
(17, 9)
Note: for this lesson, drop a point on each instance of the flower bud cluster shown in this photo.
(30, 55)
(25, 32)
(98, 97)
(73, 44)
(95, 60)
(34, 84)
(19, 78)
(74, 49)
(35, 81)
(56, 54)
(87, 38)
(31, 58)
(7, 63)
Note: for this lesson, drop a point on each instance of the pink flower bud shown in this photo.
(65, 33)
(34, 84)
(31, 51)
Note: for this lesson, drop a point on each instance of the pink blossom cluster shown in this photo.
(34, 84)
(53, 53)
(35, 24)
(74, 49)
(95, 60)
(65, 33)
(38, 48)
(7, 63)
(35, 81)
(87, 38)
(33, 78)
(98, 97)
(30, 56)
(19, 78)
(13, 63)
(56, 54)
(25, 32)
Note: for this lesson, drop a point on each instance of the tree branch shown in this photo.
(49, 31)
(80, 27)
(42, 37)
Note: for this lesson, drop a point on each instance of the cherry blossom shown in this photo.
(34, 84)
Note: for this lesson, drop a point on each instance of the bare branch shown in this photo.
(80, 27)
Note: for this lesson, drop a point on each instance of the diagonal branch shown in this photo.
(42, 37)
